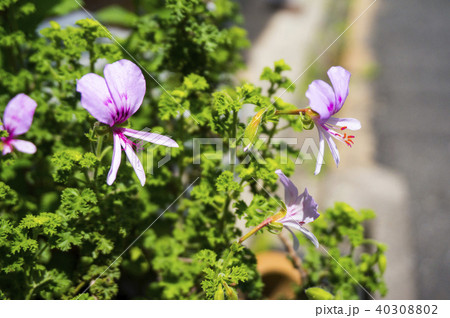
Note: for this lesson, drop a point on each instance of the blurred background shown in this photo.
(398, 53)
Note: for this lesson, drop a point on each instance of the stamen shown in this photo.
(138, 146)
(347, 139)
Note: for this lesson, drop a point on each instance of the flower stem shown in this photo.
(295, 258)
(37, 285)
(291, 112)
(99, 146)
(256, 229)
(78, 288)
(273, 218)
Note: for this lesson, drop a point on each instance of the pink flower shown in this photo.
(112, 100)
(301, 210)
(17, 120)
(325, 102)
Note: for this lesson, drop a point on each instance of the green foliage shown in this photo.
(185, 37)
(63, 230)
(220, 274)
(116, 15)
(225, 183)
(364, 258)
(259, 209)
(67, 162)
(275, 77)
(192, 93)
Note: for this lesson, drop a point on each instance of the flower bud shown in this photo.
(316, 293)
(251, 132)
(219, 294)
(307, 119)
(231, 293)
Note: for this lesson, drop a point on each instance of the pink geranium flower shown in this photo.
(17, 120)
(325, 102)
(297, 211)
(300, 210)
(112, 100)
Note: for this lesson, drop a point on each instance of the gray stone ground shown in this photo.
(412, 92)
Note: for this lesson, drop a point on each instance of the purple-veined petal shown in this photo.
(127, 87)
(150, 137)
(134, 161)
(309, 207)
(115, 163)
(96, 99)
(350, 123)
(291, 222)
(310, 236)
(321, 153)
(23, 146)
(303, 212)
(340, 78)
(294, 212)
(18, 115)
(290, 190)
(294, 239)
(331, 145)
(321, 99)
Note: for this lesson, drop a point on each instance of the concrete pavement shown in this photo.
(412, 96)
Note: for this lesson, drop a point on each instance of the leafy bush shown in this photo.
(66, 234)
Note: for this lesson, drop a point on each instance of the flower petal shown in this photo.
(290, 190)
(321, 153)
(18, 115)
(309, 207)
(127, 87)
(340, 78)
(135, 162)
(310, 236)
(151, 137)
(292, 221)
(6, 149)
(96, 99)
(350, 123)
(23, 146)
(321, 99)
(294, 239)
(332, 145)
(115, 163)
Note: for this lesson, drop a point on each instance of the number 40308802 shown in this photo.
(407, 309)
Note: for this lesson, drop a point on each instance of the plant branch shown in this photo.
(295, 258)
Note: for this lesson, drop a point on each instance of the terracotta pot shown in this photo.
(278, 274)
